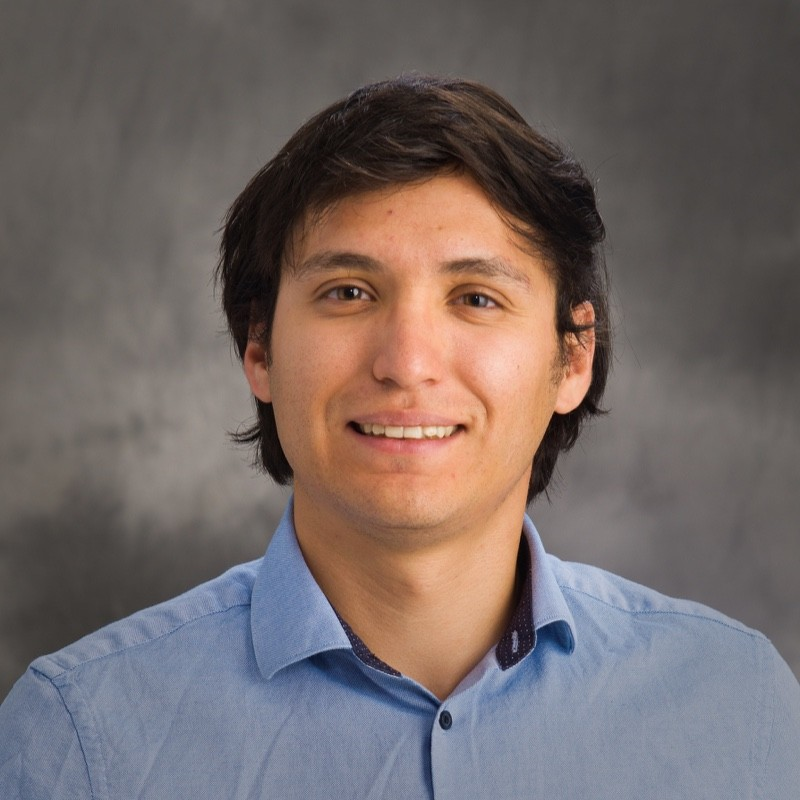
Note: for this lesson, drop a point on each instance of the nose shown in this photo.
(409, 349)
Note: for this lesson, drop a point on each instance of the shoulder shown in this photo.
(689, 672)
(74, 706)
(594, 591)
(686, 640)
(689, 666)
(671, 642)
(209, 604)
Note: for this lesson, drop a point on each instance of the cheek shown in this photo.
(309, 370)
(502, 367)
(516, 384)
(292, 376)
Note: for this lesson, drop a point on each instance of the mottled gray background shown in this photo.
(126, 130)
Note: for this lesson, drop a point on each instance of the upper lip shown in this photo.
(405, 419)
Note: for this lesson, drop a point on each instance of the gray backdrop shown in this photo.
(127, 129)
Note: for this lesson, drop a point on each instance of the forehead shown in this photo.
(444, 216)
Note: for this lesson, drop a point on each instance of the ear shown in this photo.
(256, 368)
(577, 375)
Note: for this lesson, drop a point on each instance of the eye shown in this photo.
(477, 300)
(348, 293)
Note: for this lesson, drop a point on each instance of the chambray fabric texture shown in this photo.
(248, 687)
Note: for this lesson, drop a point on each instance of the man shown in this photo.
(416, 289)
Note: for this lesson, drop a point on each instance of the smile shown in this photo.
(407, 432)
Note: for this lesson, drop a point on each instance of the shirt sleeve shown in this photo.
(781, 777)
(41, 757)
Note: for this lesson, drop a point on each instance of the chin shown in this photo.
(401, 510)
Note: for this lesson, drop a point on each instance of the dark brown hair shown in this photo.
(403, 130)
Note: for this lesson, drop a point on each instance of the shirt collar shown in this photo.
(549, 607)
(292, 619)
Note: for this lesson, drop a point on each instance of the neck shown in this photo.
(430, 610)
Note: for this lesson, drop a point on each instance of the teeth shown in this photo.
(410, 432)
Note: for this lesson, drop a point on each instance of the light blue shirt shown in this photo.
(249, 687)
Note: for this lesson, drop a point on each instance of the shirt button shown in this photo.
(445, 720)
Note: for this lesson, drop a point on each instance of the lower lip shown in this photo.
(385, 444)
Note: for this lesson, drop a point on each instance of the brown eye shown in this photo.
(348, 293)
(477, 300)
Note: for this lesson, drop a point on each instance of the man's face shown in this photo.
(414, 360)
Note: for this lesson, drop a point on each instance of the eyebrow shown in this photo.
(483, 267)
(488, 268)
(334, 259)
